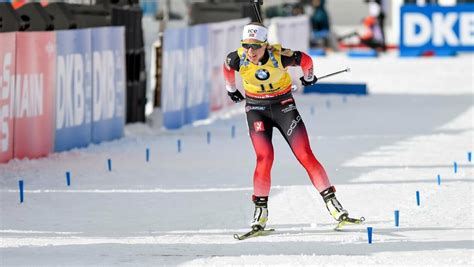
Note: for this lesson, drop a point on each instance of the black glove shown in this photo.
(305, 83)
(235, 96)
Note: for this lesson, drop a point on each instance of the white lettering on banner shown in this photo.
(443, 29)
(196, 77)
(98, 83)
(120, 83)
(412, 21)
(70, 100)
(174, 80)
(5, 87)
(30, 95)
(466, 28)
(5, 77)
(4, 129)
(104, 85)
(79, 98)
(440, 28)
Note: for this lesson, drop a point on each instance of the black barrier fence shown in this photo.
(64, 16)
(131, 18)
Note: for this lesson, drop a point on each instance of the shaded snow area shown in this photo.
(182, 208)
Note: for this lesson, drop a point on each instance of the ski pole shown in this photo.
(347, 69)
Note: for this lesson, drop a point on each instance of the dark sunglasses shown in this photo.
(254, 46)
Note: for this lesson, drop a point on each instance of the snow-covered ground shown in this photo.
(183, 208)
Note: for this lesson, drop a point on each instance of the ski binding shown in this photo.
(348, 221)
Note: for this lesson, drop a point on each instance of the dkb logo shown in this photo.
(439, 29)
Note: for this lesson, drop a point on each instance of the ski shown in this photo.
(254, 233)
(348, 221)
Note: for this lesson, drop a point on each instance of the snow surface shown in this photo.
(183, 208)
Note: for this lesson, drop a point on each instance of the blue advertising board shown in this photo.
(108, 83)
(73, 89)
(173, 78)
(197, 85)
(441, 29)
(185, 85)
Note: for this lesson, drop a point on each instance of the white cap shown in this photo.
(256, 32)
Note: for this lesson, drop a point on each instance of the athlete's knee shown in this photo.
(265, 158)
(306, 156)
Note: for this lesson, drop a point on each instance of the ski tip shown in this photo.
(253, 233)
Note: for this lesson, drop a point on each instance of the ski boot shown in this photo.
(260, 215)
(332, 204)
(337, 211)
(260, 218)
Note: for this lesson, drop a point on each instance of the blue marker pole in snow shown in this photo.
(369, 234)
(233, 131)
(68, 178)
(109, 164)
(20, 184)
(147, 155)
(179, 145)
(208, 137)
(455, 167)
(312, 110)
(397, 218)
(418, 198)
(439, 179)
(469, 156)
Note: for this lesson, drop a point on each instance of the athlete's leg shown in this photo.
(260, 130)
(289, 122)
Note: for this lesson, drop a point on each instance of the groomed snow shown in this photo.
(183, 208)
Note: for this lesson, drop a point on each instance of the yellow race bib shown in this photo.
(268, 80)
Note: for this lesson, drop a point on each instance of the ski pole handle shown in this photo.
(347, 69)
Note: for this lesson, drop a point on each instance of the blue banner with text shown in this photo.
(440, 29)
(185, 84)
(108, 83)
(73, 89)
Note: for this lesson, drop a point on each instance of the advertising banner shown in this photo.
(108, 83)
(73, 89)
(185, 78)
(197, 80)
(7, 85)
(174, 78)
(34, 94)
(436, 28)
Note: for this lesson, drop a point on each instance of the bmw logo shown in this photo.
(262, 74)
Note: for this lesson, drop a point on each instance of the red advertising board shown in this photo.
(34, 94)
(7, 84)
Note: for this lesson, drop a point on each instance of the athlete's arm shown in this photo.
(231, 65)
(298, 58)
